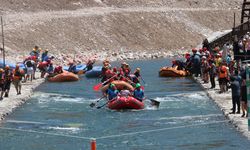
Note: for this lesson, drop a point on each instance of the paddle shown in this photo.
(106, 103)
(102, 105)
(94, 103)
(154, 102)
(99, 85)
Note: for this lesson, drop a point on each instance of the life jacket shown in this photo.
(17, 75)
(7, 75)
(139, 94)
(112, 93)
(29, 63)
(223, 72)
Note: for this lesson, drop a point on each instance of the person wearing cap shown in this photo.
(138, 92)
(111, 92)
(1, 82)
(7, 81)
(17, 77)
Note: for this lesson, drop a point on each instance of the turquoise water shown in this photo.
(58, 117)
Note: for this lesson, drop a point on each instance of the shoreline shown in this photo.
(224, 102)
(8, 105)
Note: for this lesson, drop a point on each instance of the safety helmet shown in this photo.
(7, 67)
(138, 69)
(138, 85)
(194, 50)
(1, 70)
(112, 85)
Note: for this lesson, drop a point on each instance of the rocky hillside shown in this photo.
(84, 27)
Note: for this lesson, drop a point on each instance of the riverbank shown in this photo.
(224, 102)
(7, 105)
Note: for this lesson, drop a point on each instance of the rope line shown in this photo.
(162, 129)
(54, 134)
(113, 136)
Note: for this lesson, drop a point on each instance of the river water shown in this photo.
(58, 117)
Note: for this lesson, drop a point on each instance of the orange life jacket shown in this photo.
(223, 72)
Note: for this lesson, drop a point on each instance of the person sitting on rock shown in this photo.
(138, 92)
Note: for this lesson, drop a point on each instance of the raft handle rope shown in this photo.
(114, 136)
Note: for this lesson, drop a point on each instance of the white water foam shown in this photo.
(66, 129)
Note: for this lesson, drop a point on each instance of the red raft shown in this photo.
(125, 102)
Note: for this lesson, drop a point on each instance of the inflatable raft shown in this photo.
(128, 102)
(119, 85)
(79, 68)
(64, 77)
(94, 73)
(172, 72)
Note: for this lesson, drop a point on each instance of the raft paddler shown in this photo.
(111, 92)
(138, 92)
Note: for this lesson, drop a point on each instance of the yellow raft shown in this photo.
(172, 72)
(64, 77)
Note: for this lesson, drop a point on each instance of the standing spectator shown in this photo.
(244, 94)
(17, 77)
(196, 64)
(7, 81)
(45, 55)
(223, 75)
(235, 86)
(29, 65)
(212, 73)
(1, 82)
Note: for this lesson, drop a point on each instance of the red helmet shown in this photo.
(194, 50)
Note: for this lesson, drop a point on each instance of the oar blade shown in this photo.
(92, 105)
(155, 103)
(97, 87)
